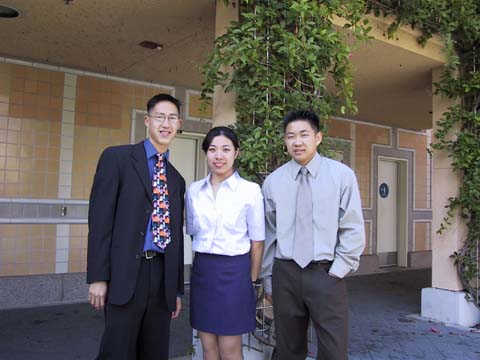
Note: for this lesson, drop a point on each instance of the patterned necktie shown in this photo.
(303, 245)
(161, 208)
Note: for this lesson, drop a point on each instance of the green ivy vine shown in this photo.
(281, 54)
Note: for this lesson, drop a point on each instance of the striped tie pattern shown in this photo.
(161, 208)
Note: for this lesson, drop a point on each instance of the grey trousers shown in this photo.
(303, 294)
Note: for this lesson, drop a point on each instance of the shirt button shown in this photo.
(147, 211)
(142, 233)
(137, 256)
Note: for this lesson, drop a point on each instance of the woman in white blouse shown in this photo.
(224, 215)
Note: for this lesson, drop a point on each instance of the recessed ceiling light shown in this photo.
(8, 12)
(151, 45)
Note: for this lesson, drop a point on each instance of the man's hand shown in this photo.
(177, 309)
(97, 293)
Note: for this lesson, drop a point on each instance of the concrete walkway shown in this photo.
(381, 327)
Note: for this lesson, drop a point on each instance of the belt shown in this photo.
(323, 263)
(150, 254)
(320, 262)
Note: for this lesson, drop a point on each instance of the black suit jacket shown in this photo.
(119, 211)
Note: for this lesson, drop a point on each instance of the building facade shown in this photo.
(73, 81)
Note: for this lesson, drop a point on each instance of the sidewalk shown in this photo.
(71, 332)
(381, 327)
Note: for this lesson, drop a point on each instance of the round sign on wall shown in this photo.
(383, 190)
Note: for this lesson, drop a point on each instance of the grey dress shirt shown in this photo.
(338, 228)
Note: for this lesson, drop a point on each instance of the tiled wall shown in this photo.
(422, 236)
(419, 143)
(30, 114)
(197, 110)
(368, 230)
(103, 115)
(366, 136)
(339, 129)
(53, 127)
(27, 249)
(78, 248)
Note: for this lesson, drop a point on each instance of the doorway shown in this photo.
(392, 212)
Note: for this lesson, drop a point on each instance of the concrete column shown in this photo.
(445, 300)
(224, 103)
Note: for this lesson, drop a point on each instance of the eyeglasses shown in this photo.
(172, 119)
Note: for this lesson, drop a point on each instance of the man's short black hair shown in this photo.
(305, 115)
(163, 97)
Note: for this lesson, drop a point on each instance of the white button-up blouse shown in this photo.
(225, 224)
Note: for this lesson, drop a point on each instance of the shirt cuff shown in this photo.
(339, 268)
(267, 285)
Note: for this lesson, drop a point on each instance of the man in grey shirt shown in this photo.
(314, 238)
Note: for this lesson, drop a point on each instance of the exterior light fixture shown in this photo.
(8, 12)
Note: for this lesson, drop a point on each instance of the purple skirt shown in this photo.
(222, 298)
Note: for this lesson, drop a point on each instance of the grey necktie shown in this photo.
(303, 245)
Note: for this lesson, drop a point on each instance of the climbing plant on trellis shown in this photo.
(280, 56)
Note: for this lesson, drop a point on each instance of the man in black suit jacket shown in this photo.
(131, 277)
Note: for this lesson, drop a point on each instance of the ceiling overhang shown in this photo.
(393, 82)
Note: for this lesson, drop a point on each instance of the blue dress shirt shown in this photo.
(151, 161)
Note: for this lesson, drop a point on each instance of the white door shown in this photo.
(387, 200)
(184, 155)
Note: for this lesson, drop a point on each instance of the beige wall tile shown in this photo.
(7, 269)
(5, 69)
(13, 150)
(366, 251)
(7, 257)
(339, 129)
(18, 84)
(11, 176)
(41, 268)
(31, 86)
(3, 109)
(366, 136)
(3, 122)
(419, 143)
(28, 248)
(194, 107)
(421, 236)
(31, 73)
(57, 78)
(17, 97)
(12, 163)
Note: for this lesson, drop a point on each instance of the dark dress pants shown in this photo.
(139, 329)
(303, 294)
